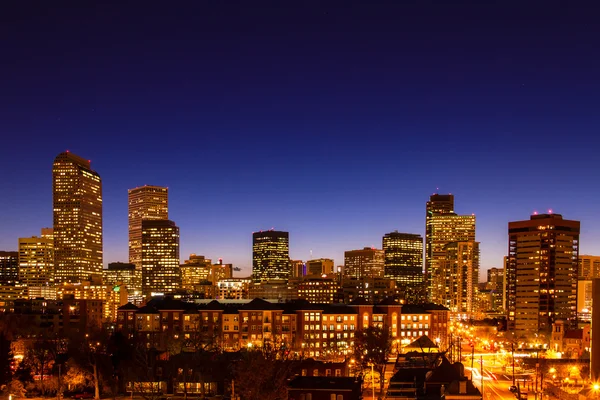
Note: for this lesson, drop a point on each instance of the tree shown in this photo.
(40, 359)
(372, 346)
(143, 372)
(76, 377)
(262, 373)
(90, 354)
(6, 359)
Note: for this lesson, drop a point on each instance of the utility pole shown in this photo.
(373, 379)
(58, 392)
(513, 362)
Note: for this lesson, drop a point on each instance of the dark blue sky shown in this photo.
(332, 120)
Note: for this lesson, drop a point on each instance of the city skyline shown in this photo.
(247, 270)
(334, 124)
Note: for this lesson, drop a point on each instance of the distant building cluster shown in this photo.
(543, 278)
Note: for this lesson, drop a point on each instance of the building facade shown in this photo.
(541, 276)
(270, 255)
(319, 266)
(77, 204)
(442, 226)
(404, 261)
(589, 267)
(366, 263)
(36, 260)
(9, 268)
(312, 330)
(459, 277)
(144, 203)
(125, 277)
(320, 290)
(160, 257)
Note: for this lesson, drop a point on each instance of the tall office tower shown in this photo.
(122, 278)
(459, 275)
(270, 255)
(366, 263)
(298, 268)
(496, 283)
(541, 274)
(36, 259)
(495, 278)
(442, 226)
(160, 257)
(77, 199)
(319, 266)
(9, 267)
(589, 267)
(119, 274)
(145, 202)
(404, 261)
(195, 270)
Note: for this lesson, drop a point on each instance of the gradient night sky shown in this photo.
(334, 122)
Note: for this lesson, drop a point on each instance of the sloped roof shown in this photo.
(260, 304)
(147, 309)
(444, 372)
(422, 343)
(412, 309)
(128, 306)
(214, 305)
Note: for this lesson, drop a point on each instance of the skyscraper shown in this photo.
(443, 226)
(160, 257)
(145, 202)
(319, 266)
(366, 263)
(404, 261)
(9, 267)
(541, 274)
(77, 199)
(270, 255)
(459, 276)
(589, 267)
(36, 259)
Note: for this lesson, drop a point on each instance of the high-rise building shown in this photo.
(144, 203)
(589, 267)
(495, 278)
(77, 199)
(319, 266)
(160, 257)
(366, 263)
(270, 255)
(36, 260)
(541, 275)
(496, 285)
(443, 226)
(119, 273)
(195, 270)
(9, 268)
(459, 275)
(404, 260)
(298, 268)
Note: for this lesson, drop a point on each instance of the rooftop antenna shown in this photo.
(311, 254)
